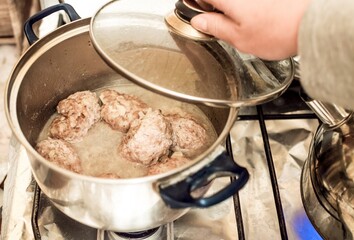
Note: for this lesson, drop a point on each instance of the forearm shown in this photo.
(326, 49)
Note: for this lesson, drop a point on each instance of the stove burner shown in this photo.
(151, 234)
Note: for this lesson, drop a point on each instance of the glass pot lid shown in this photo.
(135, 38)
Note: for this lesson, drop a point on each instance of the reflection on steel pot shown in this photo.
(65, 62)
(331, 161)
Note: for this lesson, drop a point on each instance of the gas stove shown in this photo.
(270, 140)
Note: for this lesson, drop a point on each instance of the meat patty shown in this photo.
(166, 164)
(188, 136)
(148, 139)
(60, 153)
(77, 114)
(120, 109)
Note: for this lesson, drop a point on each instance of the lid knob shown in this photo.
(187, 9)
(179, 20)
(205, 6)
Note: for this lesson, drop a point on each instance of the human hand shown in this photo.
(267, 29)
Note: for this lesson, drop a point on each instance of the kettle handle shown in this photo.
(179, 195)
(28, 26)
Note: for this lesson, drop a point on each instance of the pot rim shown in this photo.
(44, 44)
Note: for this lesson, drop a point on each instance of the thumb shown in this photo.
(216, 24)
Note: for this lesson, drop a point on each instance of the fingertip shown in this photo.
(200, 23)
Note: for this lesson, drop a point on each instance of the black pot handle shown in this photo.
(179, 195)
(28, 26)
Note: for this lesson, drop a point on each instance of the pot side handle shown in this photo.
(28, 26)
(179, 195)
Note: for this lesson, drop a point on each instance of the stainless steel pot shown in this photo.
(331, 162)
(64, 62)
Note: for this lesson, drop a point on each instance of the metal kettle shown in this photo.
(331, 161)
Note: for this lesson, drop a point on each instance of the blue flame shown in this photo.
(304, 228)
